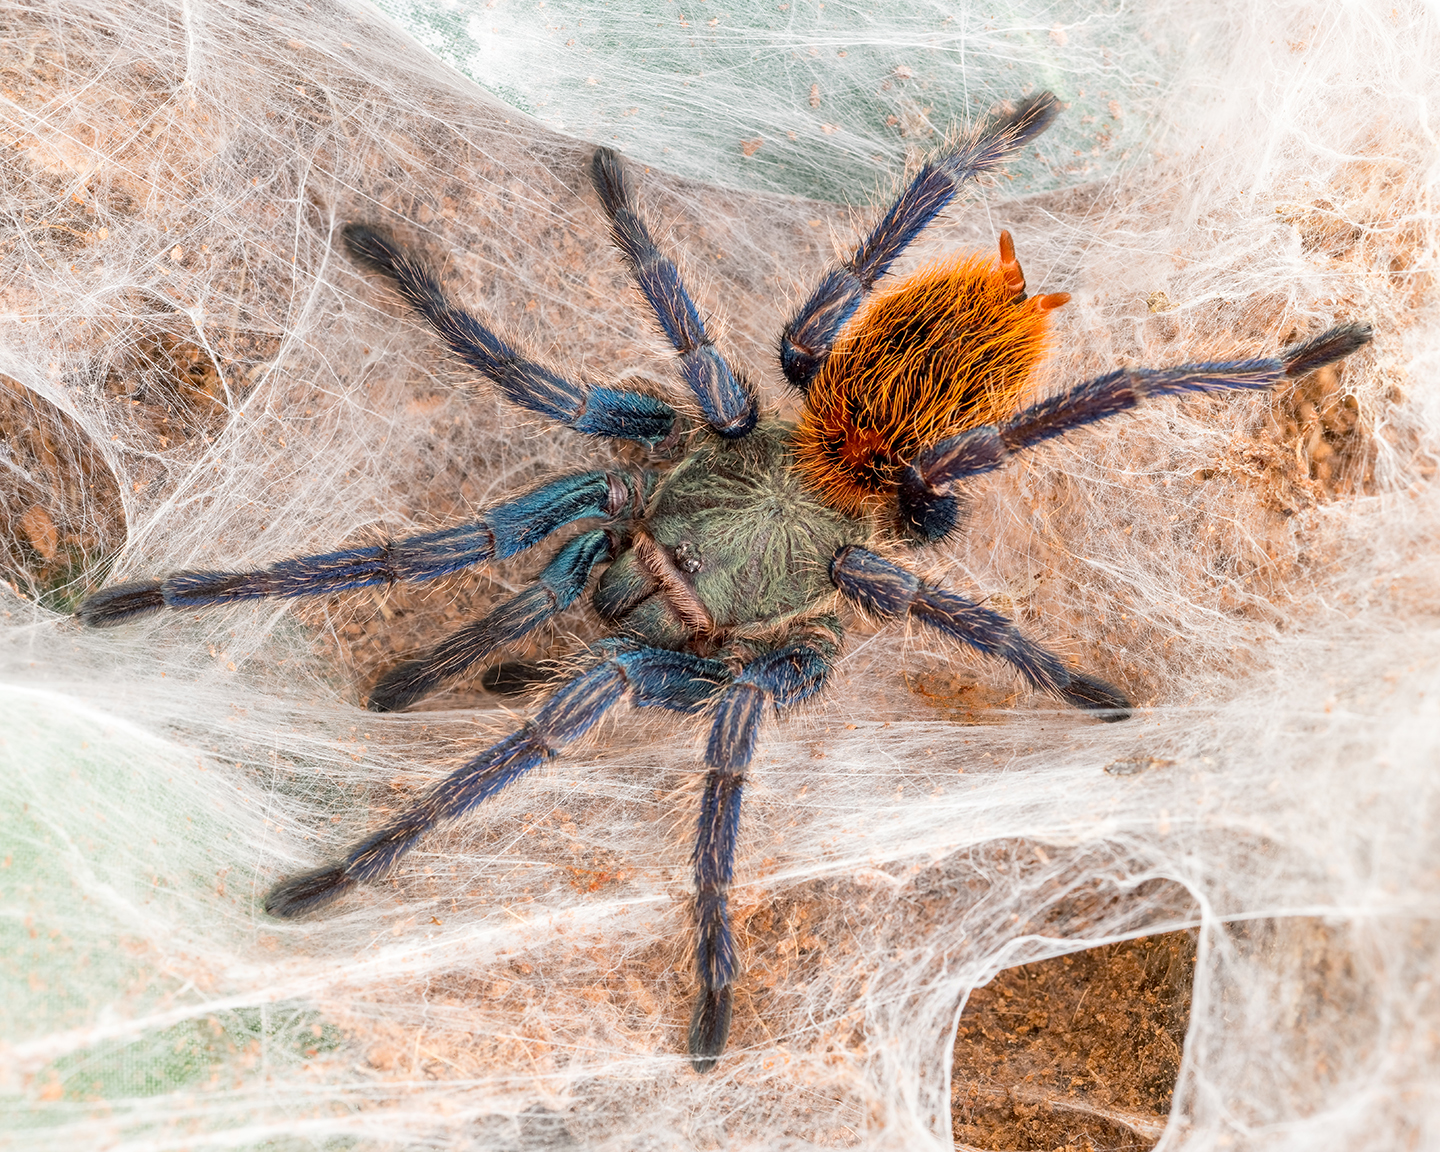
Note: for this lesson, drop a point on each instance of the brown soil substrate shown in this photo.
(1079, 1053)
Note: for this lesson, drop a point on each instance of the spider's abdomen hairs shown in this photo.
(887, 589)
(726, 400)
(594, 410)
(950, 347)
(810, 335)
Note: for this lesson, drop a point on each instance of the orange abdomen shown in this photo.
(949, 348)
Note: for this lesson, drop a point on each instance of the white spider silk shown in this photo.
(1260, 572)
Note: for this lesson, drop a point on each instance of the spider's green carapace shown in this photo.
(734, 543)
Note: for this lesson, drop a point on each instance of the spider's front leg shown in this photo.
(782, 676)
(649, 676)
(557, 587)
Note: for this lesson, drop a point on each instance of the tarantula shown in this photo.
(726, 571)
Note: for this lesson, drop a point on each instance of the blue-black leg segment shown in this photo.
(557, 587)
(811, 333)
(502, 531)
(727, 401)
(886, 589)
(783, 676)
(649, 676)
(924, 487)
(593, 409)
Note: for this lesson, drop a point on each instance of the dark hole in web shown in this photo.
(1077, 1052)
(60, 507)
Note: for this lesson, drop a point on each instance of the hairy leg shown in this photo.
(594, 409)
(649, 676)
(557, 587)
(886, 589)
(926, 505)
(777, 678)
(726, 400)
(811, 333)
(502, 531)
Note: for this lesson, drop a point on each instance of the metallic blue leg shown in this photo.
(808, 338)
(592, 409)
(727, 402)
(558, 586)
(886, 589)
(502, 531)
(780, 677)
(926, 505)
(650, 676)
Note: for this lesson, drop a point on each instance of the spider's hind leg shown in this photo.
(925, 485)
(809, 337)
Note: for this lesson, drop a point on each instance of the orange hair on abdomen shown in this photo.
(946, 349)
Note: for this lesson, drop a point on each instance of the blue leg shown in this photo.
(651, 676)
(808, 338)
(925, 503)
(727, 402)
(886, 589)
(503, 531)
(781, 677)
(558, 586)
(596, 410)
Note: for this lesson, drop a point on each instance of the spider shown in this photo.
(727, 570)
